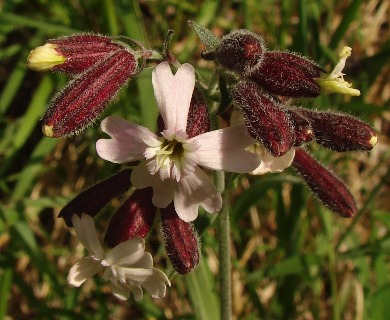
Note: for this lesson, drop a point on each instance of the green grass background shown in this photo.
(292, 258)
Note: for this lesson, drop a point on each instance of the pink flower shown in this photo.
(173, 163)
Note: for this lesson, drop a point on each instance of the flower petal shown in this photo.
(162, 190)
(156, 284)
(121, 291)
(82, 270)
(128, 140)
(173, 94)
(269, 163)
(224, 149)
(193, 190)
(128, 253)
(86, 233)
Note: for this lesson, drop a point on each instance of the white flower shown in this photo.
(334, 81)
(127, 266)
(171, 164)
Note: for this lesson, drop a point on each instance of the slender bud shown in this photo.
(134, 218)
(87, 95)
(287, 74)
(71, 54)
(90, 201)
(181, 241)
(302, 128)
(340, 132)
(265, 119)
(198, 120)
(329, 189)
(241, 51)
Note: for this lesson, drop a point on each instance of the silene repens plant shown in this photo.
(181, 166)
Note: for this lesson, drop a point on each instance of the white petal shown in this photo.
(196, 189)
(162, 190)
(86, 233)
(156, 284)
(82, 270)
(121, 291)
(173, 94)
(128, 252)
(224, 149)
(269, 163)
(137, 292)
(128, 140)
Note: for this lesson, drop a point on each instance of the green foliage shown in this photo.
(292, 259)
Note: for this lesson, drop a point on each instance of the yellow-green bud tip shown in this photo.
(373, 140)
(44, 58)
(48, 131)
(334, 82)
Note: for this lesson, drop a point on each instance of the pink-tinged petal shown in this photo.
(269, 163)
(162, 190)
(82, 270)
(128, 140)
(162, 79)
(194, 190)
(84, 227)
(225, 149)
(173, 94)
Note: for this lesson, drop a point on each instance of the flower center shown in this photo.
(170, 152)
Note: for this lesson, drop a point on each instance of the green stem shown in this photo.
(224, 254)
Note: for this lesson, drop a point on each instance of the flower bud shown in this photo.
(90, 201)
(181, 241)
(329, 189)
(134, 218)
(71, 54)
(340, 132)
(302, 128)
(265, 119)
(287, 74)
(88, 94)
(198, 120)
(241, 51)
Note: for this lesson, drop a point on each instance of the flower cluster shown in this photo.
(264, 78)
(171, 169)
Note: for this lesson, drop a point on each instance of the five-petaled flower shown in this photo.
(171, 164)
(127, 266)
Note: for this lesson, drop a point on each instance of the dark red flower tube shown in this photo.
(134, 218)
(340, 132)
(181, 241)
(90, 201)
(332, 192)
(302, 128)
(287, 74)
(87, 95)
(72, 54)
(265, 118)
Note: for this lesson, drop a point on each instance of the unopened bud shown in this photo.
(181, 241)
(340, 132)
(134, 218)
(241, 51)
(265, 119)
(87, 95)
(82, 51)
(302, 128)
(328, 188)
(44, 58)
(90, 201)
(287, 74)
